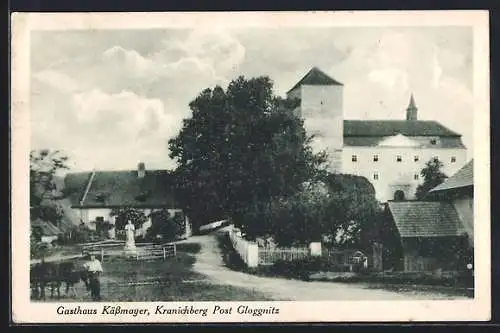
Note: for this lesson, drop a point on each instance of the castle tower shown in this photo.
(411, 110)
(321, 107)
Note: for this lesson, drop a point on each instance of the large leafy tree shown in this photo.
(45, 165)
(433, 176)
(241, 148)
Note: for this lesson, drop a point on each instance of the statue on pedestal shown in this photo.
(130, 233)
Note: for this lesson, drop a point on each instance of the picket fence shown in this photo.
(268, 256)
(253, 255)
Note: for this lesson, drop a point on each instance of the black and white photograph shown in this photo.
(271, 166)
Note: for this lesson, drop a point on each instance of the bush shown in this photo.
(300, 269)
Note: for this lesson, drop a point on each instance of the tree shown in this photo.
(125, 214)
(340, 207)
(44, 165)
(433, 176)
(241, 148)
(167, 226)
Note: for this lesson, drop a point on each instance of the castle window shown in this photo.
(415, 158)
(375, 176)
(375, 158)
(416, 176)
(453, 159)
(354, 158)
(399, 158)
(433, 141)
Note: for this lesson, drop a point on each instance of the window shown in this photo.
(375, 158)
(433, 141)
(415, 158)
(416, 176)
(354, 158)
(453, 159)
(399, 158)
(375, 176)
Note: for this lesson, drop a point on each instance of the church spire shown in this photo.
(411, 110)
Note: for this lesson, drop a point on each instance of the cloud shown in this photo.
(116, 97)
(58, 80)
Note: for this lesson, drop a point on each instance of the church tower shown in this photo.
(321, 108)
(411, 110)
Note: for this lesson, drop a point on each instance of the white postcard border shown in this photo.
(477, 309)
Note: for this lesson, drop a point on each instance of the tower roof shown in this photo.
(412, 104)
(316, 77)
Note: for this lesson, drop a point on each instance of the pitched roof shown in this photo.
(462, 178)
(378, 128)
(373, 141)
(48, 229)
(110, 189)
(425, 218)
(316, 77)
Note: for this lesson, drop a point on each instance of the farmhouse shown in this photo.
(437, 233)
(390, 153)
(95, 194)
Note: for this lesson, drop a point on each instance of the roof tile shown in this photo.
(426, 219)
(462, 178)
(122, 189)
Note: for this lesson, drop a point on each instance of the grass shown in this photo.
(128, 280)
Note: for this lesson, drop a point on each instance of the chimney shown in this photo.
(141, 170)
(411, 110)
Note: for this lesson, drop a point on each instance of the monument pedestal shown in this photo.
(130, 250)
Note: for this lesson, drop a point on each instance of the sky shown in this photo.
(112, 98)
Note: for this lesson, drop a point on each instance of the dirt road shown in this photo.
(209, 262)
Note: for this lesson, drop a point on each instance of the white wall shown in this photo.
(322, 111)
(390, 171)
(465, 209)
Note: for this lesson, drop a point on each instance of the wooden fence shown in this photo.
(269, 256)
(144, 251)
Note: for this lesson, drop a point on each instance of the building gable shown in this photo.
(398, 140)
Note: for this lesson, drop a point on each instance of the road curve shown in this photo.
(209, 262)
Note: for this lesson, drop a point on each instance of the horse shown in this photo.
(54, 275)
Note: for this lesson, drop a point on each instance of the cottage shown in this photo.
(46, 230)
(426, 235)
(95, 194)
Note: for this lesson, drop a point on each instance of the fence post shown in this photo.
(252, 255)
(164, 254)
(102, 254)
(315, 249)
(175, 250)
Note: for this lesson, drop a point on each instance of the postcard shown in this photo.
(250, 167)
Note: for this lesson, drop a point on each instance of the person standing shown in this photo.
(94, 271)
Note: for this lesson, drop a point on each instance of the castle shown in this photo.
(389, 153)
